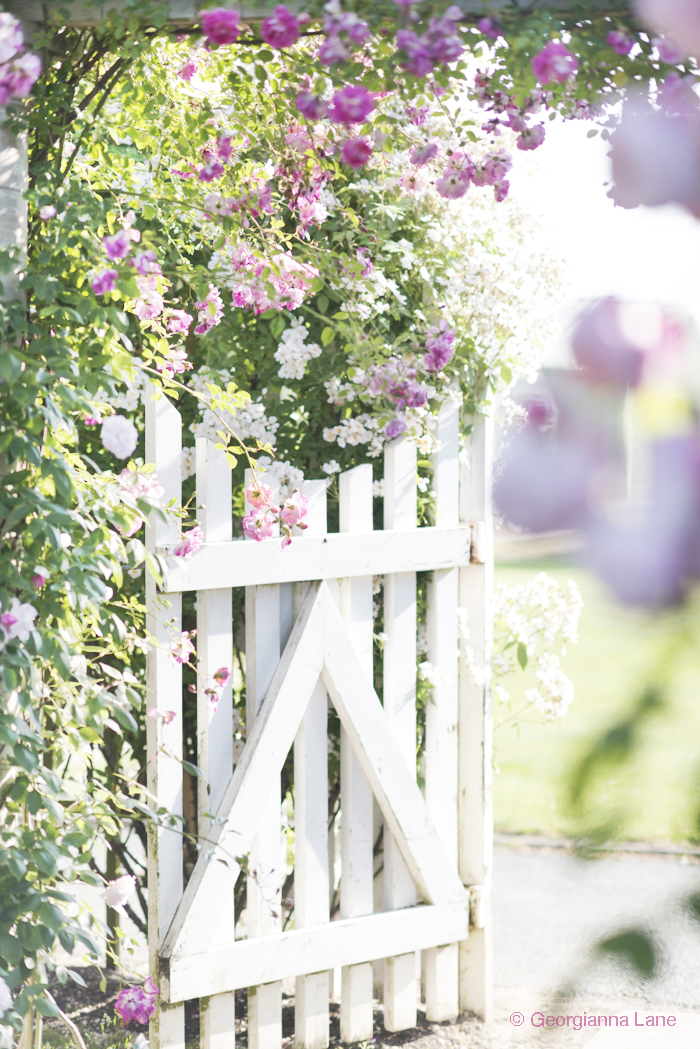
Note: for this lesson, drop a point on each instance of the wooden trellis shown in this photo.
(309, 640)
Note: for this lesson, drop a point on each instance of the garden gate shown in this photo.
(309, 640)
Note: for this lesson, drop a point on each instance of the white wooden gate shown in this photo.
(309, 638)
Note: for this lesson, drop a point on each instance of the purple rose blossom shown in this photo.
(143, 262)
(11, 37)
(544, 486)
(280, 29)
(439, 346)
(358, 31)
(489, 27)
(419, 60)
(224, 148)
(395, 427)
(190, 68)
(351, 105)
(310, 106)
(221, 676)
(652, 562)
(18, 77)
(137, 1003)
(356, 151)
(189, 544)
(656, 156)
(677, 19)
(602, 349)
(221, 26)
(501, 190)
(47, 212)
(456, 178)
(444, 45)
(420, 155)
(620, 42)
(211, 171)
(333, 51)
(118, 245)
(104, 282)
(669, 51)
(554, 63)
(531, 137)
(211, 310)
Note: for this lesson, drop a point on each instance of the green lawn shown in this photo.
(617, 654)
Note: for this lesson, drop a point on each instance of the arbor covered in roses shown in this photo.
(291, 228)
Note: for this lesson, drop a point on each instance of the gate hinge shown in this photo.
(477, 906)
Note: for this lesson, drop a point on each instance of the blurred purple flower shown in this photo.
(395, 427)
(280, 29)
(356, 151)
(351, 105)
(310, 106)
(221, 26)
(602, 349)
(554, 63)
(620, 42)
(677, 19)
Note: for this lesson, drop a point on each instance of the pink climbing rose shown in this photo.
(104, 282)
(294, 510)
(190, 68)
(221, 26)
(351, 105)
(420, 155)
(118, 245)
(554, 63)
(182, 648)
(179, 322)
(137, 1003)
(620, 42)
(190, 543)
(531, 137)
(439, 346)
(356, 151)
(258, 495)
(259, 524)
(456, 178)
(310, 106)
(280, 29)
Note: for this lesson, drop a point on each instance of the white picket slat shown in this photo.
(311, 887)
(217, 1013)
(441, 963)
(335, 556)
(263, 625)
(400, 707)
(476, 720)
(357, 844)
(164, 741)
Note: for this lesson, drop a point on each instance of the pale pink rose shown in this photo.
(679, 20)
(118, 892)
(119, 436)
(182, 648)
(258, 495)
(259, 525)
(189, 544)
(420, 155)
(294, 510)
(47, 212)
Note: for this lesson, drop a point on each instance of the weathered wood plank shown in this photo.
(356, 825)
(164, 741)
(335, 556)
(476, 724)
(400, 513)
(441, 964)
(346, 942)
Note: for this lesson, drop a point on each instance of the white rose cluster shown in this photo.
(360, 429)
(288, 477)
(293, 352)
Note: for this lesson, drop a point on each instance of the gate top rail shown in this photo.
(332, 556)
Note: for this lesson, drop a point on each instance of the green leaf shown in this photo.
(522, 654)
(192, 769)
(327, 335)
(632, 949)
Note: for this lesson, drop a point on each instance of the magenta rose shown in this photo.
(554, 64)
(356, 151)
(281, 29)
(351, 105)
(221, 26)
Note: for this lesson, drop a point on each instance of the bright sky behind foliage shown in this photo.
(644, 254)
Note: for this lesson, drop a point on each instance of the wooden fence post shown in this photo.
(475, 718)
(441, 964)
